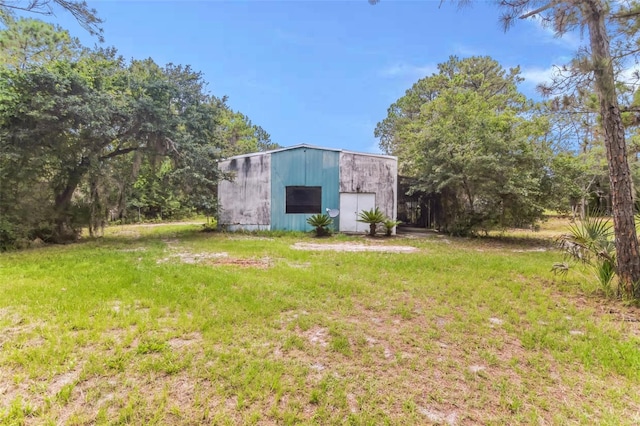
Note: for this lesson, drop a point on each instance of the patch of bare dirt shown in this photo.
(213, 259)
(192, 258)
(354, 247)
(317, 336)
(63, 380)
(439, 417)
(240, 237)
(244, 263)
(185, 341)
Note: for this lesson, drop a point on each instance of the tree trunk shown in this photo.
(619, 173)
(64, 231)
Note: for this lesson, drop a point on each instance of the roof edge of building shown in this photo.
(304, 145)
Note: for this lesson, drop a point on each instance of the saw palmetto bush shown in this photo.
(590, 242)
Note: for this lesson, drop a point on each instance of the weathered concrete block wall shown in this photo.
(367, 173)
(245, 201)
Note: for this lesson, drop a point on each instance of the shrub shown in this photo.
(389, 224)
(320, 223)
(590, 241)
(373, 217)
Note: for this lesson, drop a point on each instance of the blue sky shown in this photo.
(321, 72)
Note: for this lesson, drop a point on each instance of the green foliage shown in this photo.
(320, 223)
(576, 179)
(389, 224)
(468, 136)
(29, 42)
(241, 136)
(8, 235)
(86, 136)
(579, 174)
(210, 226)
(373, 217)
(590, 242)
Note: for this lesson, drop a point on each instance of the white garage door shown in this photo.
(352, 203)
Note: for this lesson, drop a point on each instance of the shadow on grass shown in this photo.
(517, 241)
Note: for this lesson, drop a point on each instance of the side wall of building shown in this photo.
(302, 166)
(245, 200)
(371, 174)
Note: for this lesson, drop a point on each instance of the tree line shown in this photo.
(87, 136)
(455, 156)
(84, 132)
(492, 158)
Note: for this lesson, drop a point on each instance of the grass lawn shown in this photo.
(168, 325)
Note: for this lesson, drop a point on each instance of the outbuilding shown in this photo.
(281, 189)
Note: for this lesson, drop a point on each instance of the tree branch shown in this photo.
(538, 10)
(118, 152)
(628, 14)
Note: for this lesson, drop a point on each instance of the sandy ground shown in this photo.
(354, 247)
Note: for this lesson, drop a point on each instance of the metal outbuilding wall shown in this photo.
(302, 166)
(245, 200)
(378, 174)
(256, 196)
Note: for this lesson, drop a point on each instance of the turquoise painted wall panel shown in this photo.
(303, 167)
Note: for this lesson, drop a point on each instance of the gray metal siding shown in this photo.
(363, 173)
(245, 201)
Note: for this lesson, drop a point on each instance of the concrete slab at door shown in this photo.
(351, 204)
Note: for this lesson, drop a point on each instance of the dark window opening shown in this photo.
(304, 199)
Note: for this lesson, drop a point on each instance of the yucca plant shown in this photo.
(320, 223)
(373, 217)
(590, 241)
(389, 224)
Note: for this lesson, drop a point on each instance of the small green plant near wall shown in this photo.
(373, 217)
(320, 223)
(389, 224)
(210, 226)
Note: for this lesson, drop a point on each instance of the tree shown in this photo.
(85, 135)
(241, 136)
(66, 121)
(580, 180)
(28, 42)
(86, 17)
(467, 135)
(594, 16)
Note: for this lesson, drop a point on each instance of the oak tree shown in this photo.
(468, 136)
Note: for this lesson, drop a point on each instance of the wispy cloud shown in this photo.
(545, 34)
(536, 76)
(630, 75)
(408, 70)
